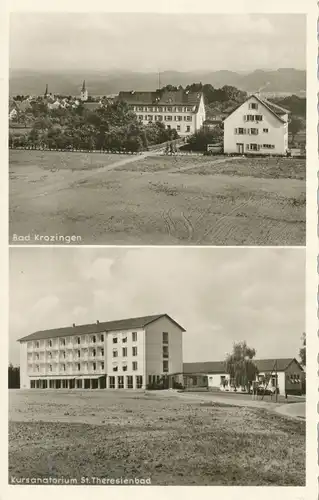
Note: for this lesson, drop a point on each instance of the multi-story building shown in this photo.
(257, 126)
(181, 110)
(123, 354)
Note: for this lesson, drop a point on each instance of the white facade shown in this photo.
(115, 359)
(186, 120)
(255, 128)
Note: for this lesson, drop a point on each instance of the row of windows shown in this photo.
(253, 118)
(124, 367)
(257, 147)
(129, 382)
(62, 367)
(163, 109)
(124, 338)
(167, 118)
(62, 354)
(124, 352)
(250, 131)
(63, 342)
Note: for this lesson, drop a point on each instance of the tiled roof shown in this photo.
(158, 97)
(263, 365)
(122, 324)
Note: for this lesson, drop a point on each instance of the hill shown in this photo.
(286, 80)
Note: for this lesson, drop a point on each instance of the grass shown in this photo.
(170, 441)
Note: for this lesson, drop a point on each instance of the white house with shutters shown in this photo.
(257, 126)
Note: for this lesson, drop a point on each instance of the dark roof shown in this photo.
(263, 365)
(122, 324)
(161, 97)
(277, 111)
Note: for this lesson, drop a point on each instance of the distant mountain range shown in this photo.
(32, 82)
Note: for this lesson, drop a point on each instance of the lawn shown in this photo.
(118, 199)
(172, 441)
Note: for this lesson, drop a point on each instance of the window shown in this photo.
(253, 105)
(189, 118)
(115, 354)
(79, 367)
(165, 351)
(102, 337)
(120, 382)
(79, 340)
(37, 345)
(139, 381)
(168, 118)
(254, 147)
(268, 146)
(134, 336)
(178, 128)
(63, 354)
(94, 352)
(240, 131)
(112, 382)
(188, 129)
(129, 381)
(254, 131)
(62, 341)
(150, 118)
(140, 117)
(265, 130)
(124, 339)
(134, 351)
(114, 340)
(124, 368)
(134, 366)
(165, 337)
(124, 351)
(160, 118)
(94, 367)
(259, 118)
(179, 118)
(79, 354)
(94, 339)
(165, 366)
(63, 367)
(102, 352)
(249, 118)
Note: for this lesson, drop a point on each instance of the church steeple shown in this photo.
(84, 92)
(46, 90)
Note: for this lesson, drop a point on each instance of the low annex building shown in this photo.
(257, 126)
(213, 375)
(181, 110)
(123, 354)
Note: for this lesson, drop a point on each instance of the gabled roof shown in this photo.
(263, 365)
(273, 108)
(162, 97)
(99, 327)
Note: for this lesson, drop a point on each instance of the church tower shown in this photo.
(46, 93)
(84, 92)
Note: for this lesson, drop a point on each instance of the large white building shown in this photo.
(257, 126)
(123, 354)
(181, 110)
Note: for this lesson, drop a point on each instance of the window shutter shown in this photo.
(236, 131)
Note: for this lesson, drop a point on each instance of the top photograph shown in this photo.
(157, 129)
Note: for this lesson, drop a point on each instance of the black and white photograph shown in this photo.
(157, 129)
(150, 366)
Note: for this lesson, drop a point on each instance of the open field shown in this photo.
(152, 199)
(145, 435)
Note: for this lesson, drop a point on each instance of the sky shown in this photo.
(152, 42)
(220, 295)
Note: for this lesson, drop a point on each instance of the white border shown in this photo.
(170, 6)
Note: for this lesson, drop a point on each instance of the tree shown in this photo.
(240, 365)
(295, 125)
(13, 376)
(302, 350)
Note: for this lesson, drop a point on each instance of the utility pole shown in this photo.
(276, 381)
(159, 80)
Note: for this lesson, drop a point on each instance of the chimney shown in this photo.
(73, 325)
(97, 322)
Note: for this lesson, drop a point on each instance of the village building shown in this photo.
(212, 375)
(123, 354)
(257, 126)
(180, 109)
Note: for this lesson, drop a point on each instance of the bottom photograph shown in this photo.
(157, 366)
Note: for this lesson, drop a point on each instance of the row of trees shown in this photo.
(114, 127)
